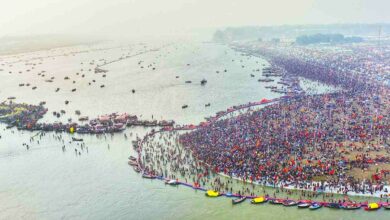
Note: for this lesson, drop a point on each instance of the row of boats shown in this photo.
(302, 203)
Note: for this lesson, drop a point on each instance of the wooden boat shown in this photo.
(333, 205)
(238, 200)
(172, 182)
(132, 163)
(259, 200)
(290, 203)
(132, 158)
(148, 176)
(77, 139)
(184, 106)
(304, 205)
(265, 80)
(276, 201)
(315, 206)
(137, 169)
(351, 206)
(386, 206)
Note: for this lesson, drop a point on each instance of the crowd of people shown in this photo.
(317, 142)
(26, 117)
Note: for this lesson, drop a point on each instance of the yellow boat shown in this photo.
(259, 200)
(372, 206)
(212, 193)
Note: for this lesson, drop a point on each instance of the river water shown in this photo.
(46, 183)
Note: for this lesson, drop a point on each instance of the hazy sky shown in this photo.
(143, 17)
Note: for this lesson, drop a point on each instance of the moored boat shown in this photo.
(148, 176)
(333, 205)
(372, 206)
(290, 203)
(386, 206)
(315, 206)
(132, 158)
(132, 163)
(212, 193)
(229, 194)
(137, 169)
(238, 200)
(276, 201)
(304, 205)
(352, 206)
(259, 200)
(172, 182)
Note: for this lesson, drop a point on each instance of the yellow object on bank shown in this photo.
(373, 205)
(71, 130)
(258, 199)
(212, 193)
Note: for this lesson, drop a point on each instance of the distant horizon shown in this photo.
(178, 17)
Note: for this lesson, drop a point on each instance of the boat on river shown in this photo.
(259, 200)
(304, 205)
(171, 182)
(372, 206)
(276, 201)
(315, 206)
(238, 200)
(352, 206)
(333, 205)
(148, 176)
(212, 193)
(290, 203)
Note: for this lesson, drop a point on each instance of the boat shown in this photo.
(184, 106)
(212, 193)
(265, 80)
(276, 201)
(238, 200)
(228, 194)
(386, 206)
(290, 203)
(132, 163)
(172, 182)
(132, 158)
(372, 206)
(304, 205)
(315, 206)
(188, 81)
(333, 205)
(77, 139)
(203, 82)
(259, 200)
(137, 169)
(352, 206)
(148, 176)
